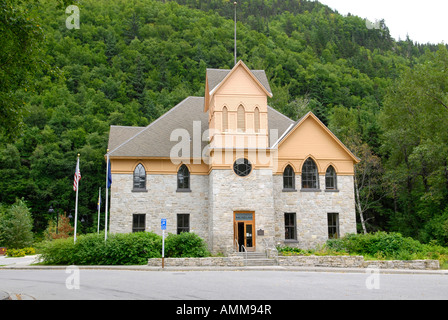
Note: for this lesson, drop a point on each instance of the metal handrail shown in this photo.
(236, 248)
(245, 259)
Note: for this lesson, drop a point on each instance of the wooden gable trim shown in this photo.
(316, 119)
(240, 63)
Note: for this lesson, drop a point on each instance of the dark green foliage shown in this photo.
(133, 60)
(386, 244)
(16, 226)
(185, 244)
(120, 249)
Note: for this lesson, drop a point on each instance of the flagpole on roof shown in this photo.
(76, 187)
(234, 4)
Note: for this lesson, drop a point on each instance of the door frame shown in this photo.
(246, 223)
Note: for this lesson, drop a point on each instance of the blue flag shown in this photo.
(109, 176)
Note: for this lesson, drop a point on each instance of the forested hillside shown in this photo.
(132, 60)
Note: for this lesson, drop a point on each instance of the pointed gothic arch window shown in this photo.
(310, 176)
(289, 179)
(257, 120)
(139, 178)
(183, 179)
(225, 120)
(241, 119)
(331, 179)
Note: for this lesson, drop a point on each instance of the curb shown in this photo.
(235, 269)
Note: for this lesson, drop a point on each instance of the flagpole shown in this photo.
(99, 209)
(107, 195)
(76, 202)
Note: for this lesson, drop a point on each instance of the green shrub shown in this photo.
(184, 245)
(15, 253)
(132, 248)
(386, 244)
(389, 246)
(319, 251)
(120, 249)
(29, 250)
(58, 252)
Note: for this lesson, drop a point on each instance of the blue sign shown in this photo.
(163, 224)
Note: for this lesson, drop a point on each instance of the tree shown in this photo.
(415, 141)
(61, 230)
(369, 172)
(20, 58)
(16, 226)
(132, 28)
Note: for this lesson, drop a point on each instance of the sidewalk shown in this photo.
(20, 261)
(25, 263)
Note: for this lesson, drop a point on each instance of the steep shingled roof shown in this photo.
(154, 140)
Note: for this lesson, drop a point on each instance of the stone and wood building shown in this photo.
(233, 170)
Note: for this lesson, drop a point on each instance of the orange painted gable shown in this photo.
(311, 138)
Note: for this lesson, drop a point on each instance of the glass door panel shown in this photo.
(249, 237)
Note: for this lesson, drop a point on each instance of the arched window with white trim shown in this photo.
(139, 178)
(310, 175)
(183, 178)
(289, 179)
(331, 179)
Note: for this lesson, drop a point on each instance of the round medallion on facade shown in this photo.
(242, 167)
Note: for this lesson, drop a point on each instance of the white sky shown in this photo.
(424, 21)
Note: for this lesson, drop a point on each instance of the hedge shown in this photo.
(388, 246)
(120, 249)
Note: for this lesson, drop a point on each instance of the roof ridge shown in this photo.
(115, 126)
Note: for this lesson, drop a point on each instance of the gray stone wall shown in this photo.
(230, 193)
(311, 210)
(301, 261)
(232, 261)
(214, 199)
(160, 201)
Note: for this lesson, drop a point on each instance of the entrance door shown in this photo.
(244, 225)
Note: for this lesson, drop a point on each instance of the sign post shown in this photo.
(163, 227)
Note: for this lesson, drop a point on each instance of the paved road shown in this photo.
(221, 285)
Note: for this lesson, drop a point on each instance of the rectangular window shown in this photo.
(290, 226)
(183, 223)
(138, 222)
(333, 225)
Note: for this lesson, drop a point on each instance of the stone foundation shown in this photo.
(301, 261)
(233, 261)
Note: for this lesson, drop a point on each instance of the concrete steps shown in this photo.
(257, 259)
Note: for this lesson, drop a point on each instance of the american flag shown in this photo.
(77, 176)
